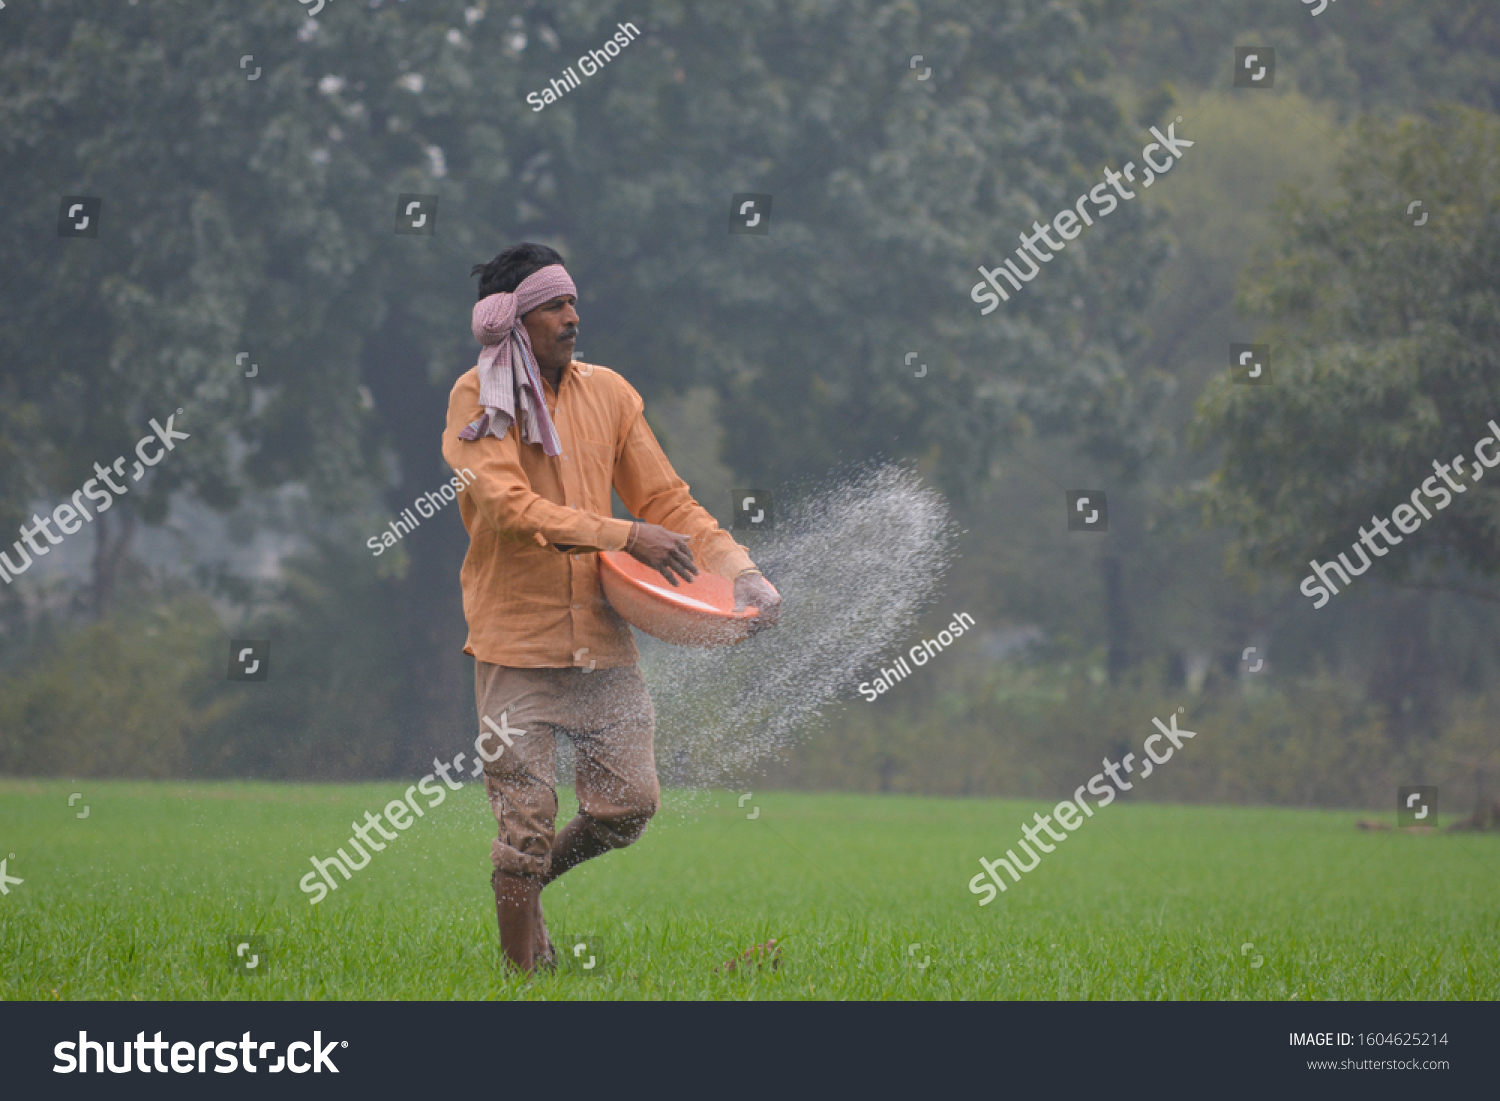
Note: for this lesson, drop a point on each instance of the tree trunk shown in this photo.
(108, 555)
(1116, 617)
(429, 609)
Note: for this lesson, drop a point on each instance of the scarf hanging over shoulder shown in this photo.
(510, 384)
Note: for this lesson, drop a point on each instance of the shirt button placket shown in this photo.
(568, 476)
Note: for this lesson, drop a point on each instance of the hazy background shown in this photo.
(258, 216)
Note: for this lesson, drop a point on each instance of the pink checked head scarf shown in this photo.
(510, 384)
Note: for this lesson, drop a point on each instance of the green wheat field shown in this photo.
(148, 897)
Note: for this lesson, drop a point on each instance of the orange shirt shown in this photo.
(531, 577)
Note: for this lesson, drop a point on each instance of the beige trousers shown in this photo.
(608, 715)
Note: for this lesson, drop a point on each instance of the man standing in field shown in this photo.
(546, 437)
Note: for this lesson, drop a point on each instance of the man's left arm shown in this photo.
(651, 489)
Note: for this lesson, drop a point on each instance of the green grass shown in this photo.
(139, 900)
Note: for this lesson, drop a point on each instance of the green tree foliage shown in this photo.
(888, 192)
(258, 216)
(1040, 732)
(127, 696)
(1384, 339)
(1380, 56)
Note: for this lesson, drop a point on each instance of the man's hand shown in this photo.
(752, 590)
(662, 550)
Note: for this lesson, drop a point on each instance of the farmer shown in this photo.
(545, 438)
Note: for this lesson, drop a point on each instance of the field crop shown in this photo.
(866, 895)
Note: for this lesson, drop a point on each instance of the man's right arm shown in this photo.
(502, 493)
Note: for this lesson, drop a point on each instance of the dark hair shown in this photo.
(505, 273)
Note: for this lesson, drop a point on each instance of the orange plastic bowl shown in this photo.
(696, 613)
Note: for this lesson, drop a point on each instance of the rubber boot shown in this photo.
(542, 952)
(576, 842)
(517, 907)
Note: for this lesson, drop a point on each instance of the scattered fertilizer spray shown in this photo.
(855, 563)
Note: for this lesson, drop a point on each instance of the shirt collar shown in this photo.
(568, 369)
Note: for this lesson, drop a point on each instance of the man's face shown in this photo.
(553, 328)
